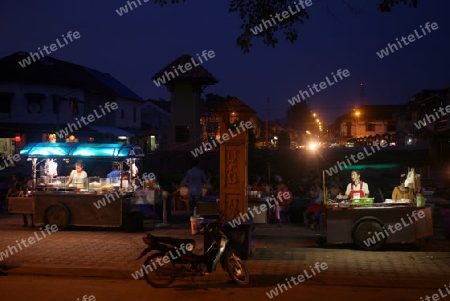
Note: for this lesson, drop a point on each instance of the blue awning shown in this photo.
(67, 150)
(111, 130)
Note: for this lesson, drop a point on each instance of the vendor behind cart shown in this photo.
(115, 173)
(401, 191)
(78, 175)
(356, 189)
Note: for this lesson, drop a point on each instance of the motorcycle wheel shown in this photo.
(237, 270)
(161, 276)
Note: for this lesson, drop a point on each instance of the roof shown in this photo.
(373, 112)
(163, 104)
(51, 71)
(195, 74)
(113, 84)
(230, 104)
(110, 130)
(106, 150)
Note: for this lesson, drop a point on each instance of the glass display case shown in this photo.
(41, 182)
(60, 182)
(105, 185)
(94, 184)
(115, 182)
(80, 184)
(50, 182)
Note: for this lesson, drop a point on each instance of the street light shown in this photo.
(357, 113)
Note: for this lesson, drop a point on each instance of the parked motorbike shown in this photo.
(174, 258)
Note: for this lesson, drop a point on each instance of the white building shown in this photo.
(51, 96)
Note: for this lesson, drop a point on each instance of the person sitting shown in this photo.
(284, 200)
(315, 207)
(401, 191)
(17, 189)
(115, 173)
(257, 187)
(335, 187)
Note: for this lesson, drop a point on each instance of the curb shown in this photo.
(269, 280)
(70, 272)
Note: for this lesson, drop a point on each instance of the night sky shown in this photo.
(133, 47)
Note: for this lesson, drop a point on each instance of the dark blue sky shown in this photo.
(133, 47)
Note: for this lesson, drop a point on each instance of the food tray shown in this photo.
(364, 202)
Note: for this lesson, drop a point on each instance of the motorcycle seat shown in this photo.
(173, 241)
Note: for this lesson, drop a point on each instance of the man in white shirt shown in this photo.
(356, 189)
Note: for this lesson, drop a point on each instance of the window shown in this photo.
(5, 102)
(122, 114)
(56, 101)
(181, 133)
(74, 111)
(134, 115)
(370, 127)
(234, 117)
(34, 105)
(391, 126)
(349, 128)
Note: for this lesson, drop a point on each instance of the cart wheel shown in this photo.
(57, 214)
(363, 233)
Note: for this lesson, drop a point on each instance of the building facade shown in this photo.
(57, 100)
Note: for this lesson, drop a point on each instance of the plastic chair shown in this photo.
(319, 222)
(285, 215)
(184, 196)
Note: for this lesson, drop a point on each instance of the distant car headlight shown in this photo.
(312, 145)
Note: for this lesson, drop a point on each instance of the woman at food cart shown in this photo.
(401, 191)
(356, 189)
(78, 175)
(19, 188)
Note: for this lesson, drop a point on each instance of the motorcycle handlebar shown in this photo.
(217, 222)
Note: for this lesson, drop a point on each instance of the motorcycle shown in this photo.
(176, 260)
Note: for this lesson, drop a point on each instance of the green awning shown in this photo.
(80, 150)
(373, 166)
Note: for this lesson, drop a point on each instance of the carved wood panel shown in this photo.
(231, 206)
(233, 168)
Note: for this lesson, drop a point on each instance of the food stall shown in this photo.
(370, 225)
(98, 202)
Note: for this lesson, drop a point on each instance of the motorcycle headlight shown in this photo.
(190, 247)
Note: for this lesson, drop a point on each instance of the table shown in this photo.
(209, 205)
(262, 217)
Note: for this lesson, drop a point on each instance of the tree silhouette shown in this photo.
(283, 140)
(253, 12)
(299, 117)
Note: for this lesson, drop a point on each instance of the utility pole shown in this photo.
(267, 121)
(362, 93)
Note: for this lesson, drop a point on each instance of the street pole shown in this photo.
(164, 210)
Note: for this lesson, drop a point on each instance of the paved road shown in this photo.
(279, 252)
(26, 288)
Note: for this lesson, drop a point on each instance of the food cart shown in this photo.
(51, 202)
(370, 225)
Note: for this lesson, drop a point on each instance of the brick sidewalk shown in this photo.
(278, 253)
